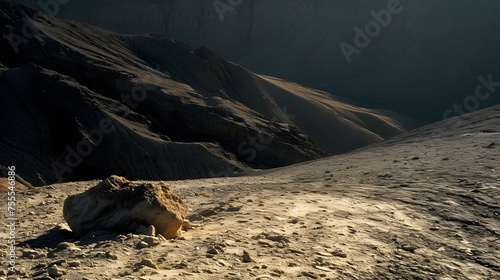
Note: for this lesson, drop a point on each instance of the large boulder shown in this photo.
(119, 205)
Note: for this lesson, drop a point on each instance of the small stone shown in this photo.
(54, 271)
(151, 241)
(246, 257)
(213, 251)
(65, 245)
(161, 238)
(408, 248)
(74, 263)
(208, 212)
(181, 265)
(29, 253)
(148, 263)
(151, 231)
(223, 262)
(339, 253)
(62, 227)
(142, 245)
(265, 242)
(186, 225)
(276, 238)
(234, 208)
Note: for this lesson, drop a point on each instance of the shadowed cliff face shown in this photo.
(78, 102)
(415, 57)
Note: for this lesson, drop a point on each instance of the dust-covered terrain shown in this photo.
(299, 183)
(424, 205)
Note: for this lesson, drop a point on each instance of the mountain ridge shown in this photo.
(423, 59)
(178, 112)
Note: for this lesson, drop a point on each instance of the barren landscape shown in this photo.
(423, 205)
(141, 157)
(74, 85)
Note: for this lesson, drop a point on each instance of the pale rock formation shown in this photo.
(117, 204)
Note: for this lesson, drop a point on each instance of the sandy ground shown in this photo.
(407, 208)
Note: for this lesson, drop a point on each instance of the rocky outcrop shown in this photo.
(119, 205)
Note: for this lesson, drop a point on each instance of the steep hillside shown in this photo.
(420, 60)
(79, 102)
